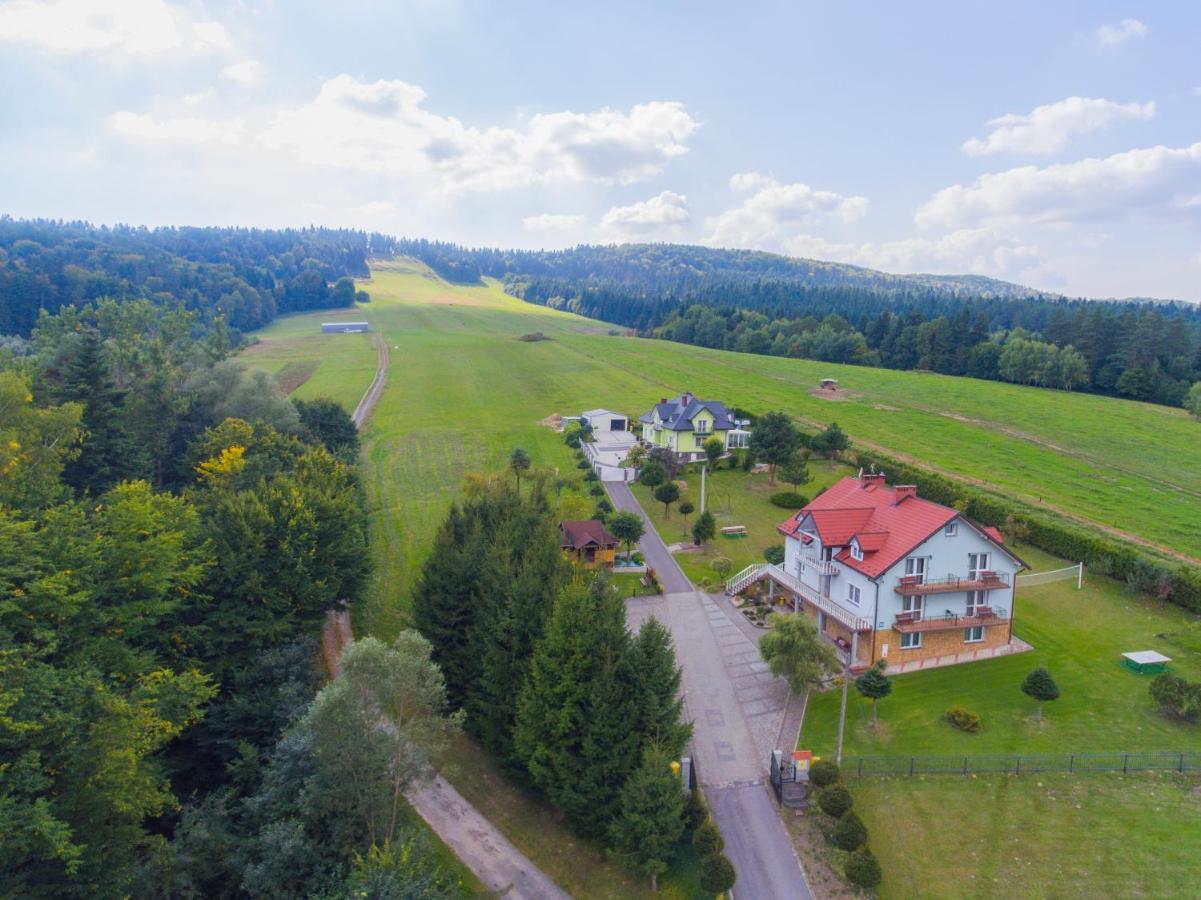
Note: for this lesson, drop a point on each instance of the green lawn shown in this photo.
(1078, 636)
(576, 865)
(1054, 836)
(735, 498)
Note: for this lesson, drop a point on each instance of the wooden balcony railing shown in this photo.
(911, 585)
(907, 622)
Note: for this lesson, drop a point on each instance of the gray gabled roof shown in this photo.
(677, 413)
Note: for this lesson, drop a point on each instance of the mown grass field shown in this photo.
(464, 391)
(735, 498)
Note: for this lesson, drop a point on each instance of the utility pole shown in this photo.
(846, 684)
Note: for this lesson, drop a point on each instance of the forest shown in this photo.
(761, 303)
(244, 276)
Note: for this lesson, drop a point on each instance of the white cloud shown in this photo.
(376, 207)
(121, 28)
(1156, 180)
(552, 222)
(246, 72)
(199, 98)
(1049, 128)
(1113, 35)
(773, 212)
(382, 126)
(659, 217)
(147, 128)
(979, 251)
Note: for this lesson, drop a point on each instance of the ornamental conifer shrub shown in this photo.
(850, 833)
(824, 773)
(862, 869)
(835, 800)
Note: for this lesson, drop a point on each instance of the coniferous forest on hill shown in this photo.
(763, 303)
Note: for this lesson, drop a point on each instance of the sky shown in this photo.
(1053, 144)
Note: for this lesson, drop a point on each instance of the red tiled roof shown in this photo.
(993, 533)
(579, 533)
(887, 530)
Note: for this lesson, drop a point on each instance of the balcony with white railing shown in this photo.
(830, 607)
(819, 565)
(907, 622)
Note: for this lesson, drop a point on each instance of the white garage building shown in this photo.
(606, 420)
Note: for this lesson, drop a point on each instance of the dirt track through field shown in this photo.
(375, 390)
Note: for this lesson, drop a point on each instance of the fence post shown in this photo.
(911, 761)
(1125, 763)
(965, 765)
(1072, 763)
(861, 765)
(1018, 767)
(1182, 763)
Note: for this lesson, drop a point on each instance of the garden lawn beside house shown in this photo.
(735, 498)
(1079, 636)
(1006, 836)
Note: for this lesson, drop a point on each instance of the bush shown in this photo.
(708, 839)
(696, 813)
(596, 490)
(774, 554)
(835, 800)
(789, 499)
(717, 874)
(824, 773)
(533, 337)
(862, 870)
(1177, 698)
(591, 475)
(850, 833)
(604, 505)
(963, 719)
(582, 464)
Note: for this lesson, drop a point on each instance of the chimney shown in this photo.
(875, 479)
(685, 398)
(904, 492)
(662, 401)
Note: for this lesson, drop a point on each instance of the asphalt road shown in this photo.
(730, 765)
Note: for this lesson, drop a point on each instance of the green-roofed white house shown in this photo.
(682, 424)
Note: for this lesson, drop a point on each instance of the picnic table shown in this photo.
(732, 531)
(1146, 662)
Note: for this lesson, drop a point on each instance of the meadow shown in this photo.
(463, 391)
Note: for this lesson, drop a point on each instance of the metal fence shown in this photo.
(1025, 763)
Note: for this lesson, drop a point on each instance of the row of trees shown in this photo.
(550, 680)
(158, 729)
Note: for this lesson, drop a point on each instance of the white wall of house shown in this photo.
(947, 555)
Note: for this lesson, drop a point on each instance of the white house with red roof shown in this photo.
(888, 575)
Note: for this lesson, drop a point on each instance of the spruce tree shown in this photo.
(657, 683)
(577, 715)
(108, 454)
(1042, 687)
(650, 818)
(874, 685)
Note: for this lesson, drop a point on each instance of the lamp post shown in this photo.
(846, 684)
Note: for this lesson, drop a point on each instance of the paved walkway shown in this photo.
(736, 708)
(497, 863)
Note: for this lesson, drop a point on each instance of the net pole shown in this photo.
(1080, 576)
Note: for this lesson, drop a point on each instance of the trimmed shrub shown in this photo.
(824, 773)
(850, 833)
(789, 499)
(591, 475)
(717, 874)
(1177, 698)
(596, 490)
(708, 839)
(774, 554)
(862, 869)
(572, 440)
(835, 800)
(963, 719)
(582, 464)
(696, 812)
(603, 504)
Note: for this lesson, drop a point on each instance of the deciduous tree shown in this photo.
(774, 440)
(794, 651)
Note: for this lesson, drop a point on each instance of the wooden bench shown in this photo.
(733, 531)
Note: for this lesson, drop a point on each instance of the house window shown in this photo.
(736, 440)
(951, 529)
(913, 605)
(916, 566)
(853, 594)
(973, 635)
(702, 426)
(911, 640)
(977, 563)
(856, 552)
(975, 600)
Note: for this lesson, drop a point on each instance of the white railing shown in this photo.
(754, 573)
(821, 566)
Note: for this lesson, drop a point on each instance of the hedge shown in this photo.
(1180, 585)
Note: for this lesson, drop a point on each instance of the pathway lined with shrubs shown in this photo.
(730, 764)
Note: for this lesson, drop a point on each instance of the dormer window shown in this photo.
(702, 426)
(856, 551)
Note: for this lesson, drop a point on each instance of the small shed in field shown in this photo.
(344, 327)
(829, 384)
